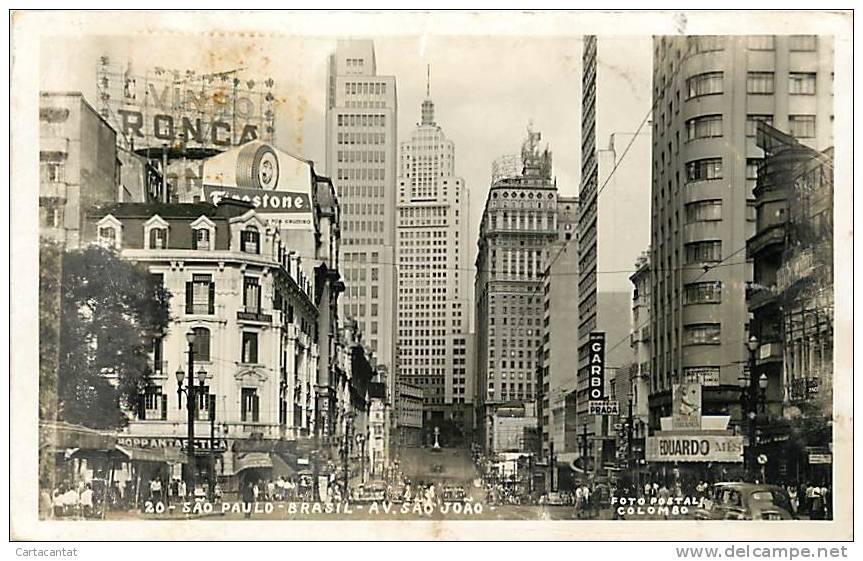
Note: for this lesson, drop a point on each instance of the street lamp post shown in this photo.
(751, 399)
(361, 440)
(190, 392)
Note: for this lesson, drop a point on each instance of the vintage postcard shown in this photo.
(431, 275)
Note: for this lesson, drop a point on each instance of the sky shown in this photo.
(486, 90)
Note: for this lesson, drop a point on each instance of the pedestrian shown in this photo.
(155, 490)
(71, 501)
(256, 491)
(248, 496)
(794, 500)
(271, 490)
(86, 501)
(182, 490)
(817, 508)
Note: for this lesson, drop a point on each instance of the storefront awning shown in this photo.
(60, 436)
(167, 455)
(253, 460)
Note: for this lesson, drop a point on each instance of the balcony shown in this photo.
(771, 236)
(254, 316)
(769, 352)
(758, 296)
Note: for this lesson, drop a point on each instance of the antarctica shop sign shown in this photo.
(694, 448)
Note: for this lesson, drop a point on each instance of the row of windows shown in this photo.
(361, 138)
(709, 43)
(153, 404)
(365, 88)
(362, 156)
(708, 83)
(363, 120)
(362, 174)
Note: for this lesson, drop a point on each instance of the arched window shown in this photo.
(250, 240)
(158, 238)
(201, 346)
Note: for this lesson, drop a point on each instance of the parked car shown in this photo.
(454, 494)
(745, 501)
(370, 492)
(553, 499)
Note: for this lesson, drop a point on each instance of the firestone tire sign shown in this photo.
(694, 448)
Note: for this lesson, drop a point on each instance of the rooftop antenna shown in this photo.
(428, 79)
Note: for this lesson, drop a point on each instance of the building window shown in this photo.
(752, 168)
(703, 252)
(707, 43)
(759, 82)
(158, 238)
(154, 404)
(251, 295)
(703, 170)
(51, 172)
(704, 211)
(703, 293)
(704, 84)
(802, 42)
(801, 83)
(201, 346)
(706, 126)
(250, 412)
(201, 295)
(108, 236)
(250, 348)
(760, 42)
(250, 240)
(201, 239)
(702, 334)
(202, 402)
(753, 120)
(802, 126)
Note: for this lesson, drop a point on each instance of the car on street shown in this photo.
(745, 501)
(553, 499)
(454, 494)
(370, 492)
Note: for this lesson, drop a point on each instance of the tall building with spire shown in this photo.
(361, 160)
(518, 231)
(433, 295)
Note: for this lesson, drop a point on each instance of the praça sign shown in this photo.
(694, 448)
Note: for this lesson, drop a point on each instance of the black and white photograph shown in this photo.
(457, 275)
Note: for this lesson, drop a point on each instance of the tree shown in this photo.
(112, 311)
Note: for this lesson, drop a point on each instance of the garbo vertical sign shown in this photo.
(596, 356)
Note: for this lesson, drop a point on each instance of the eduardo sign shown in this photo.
(695, 448)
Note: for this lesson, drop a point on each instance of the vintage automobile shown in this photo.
(454, 494)
(553, 499)
(745, 501)
(370, 492)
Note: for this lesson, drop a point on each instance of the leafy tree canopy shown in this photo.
(111, 312)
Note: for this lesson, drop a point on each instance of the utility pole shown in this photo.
(551, 466)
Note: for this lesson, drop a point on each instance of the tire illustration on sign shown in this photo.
(257, 167)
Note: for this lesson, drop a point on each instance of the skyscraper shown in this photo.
(433, 297)
(709, 93)
(612, 229)
(519, 225)
(361, 160)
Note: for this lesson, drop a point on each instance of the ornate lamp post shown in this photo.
(749, 405)
(190, 392)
